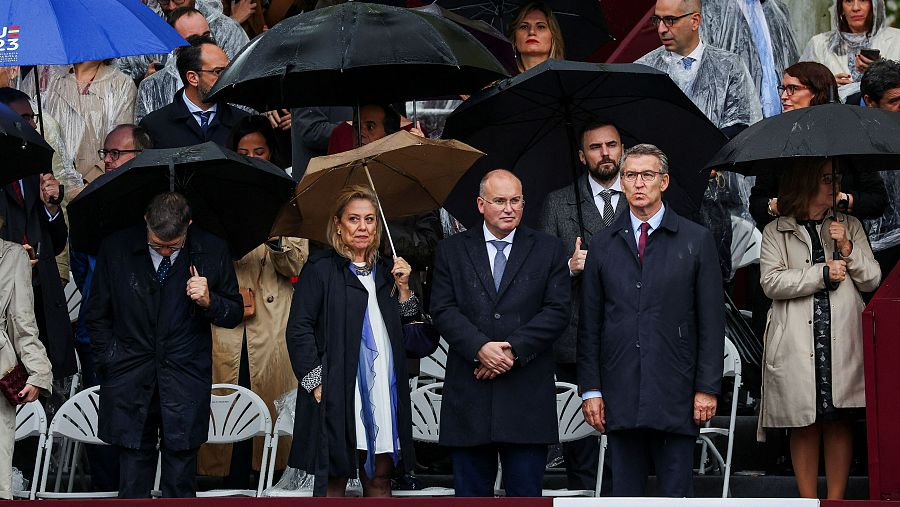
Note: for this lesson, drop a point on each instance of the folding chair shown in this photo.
(31, 421)
(235, 417)
(284, 427)
(426, 422)
(434, 367)
(68, 460)
(732, 369)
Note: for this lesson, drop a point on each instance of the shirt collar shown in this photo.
(194, 108)
(596, 187)
(654, 221)
(488, 236)
(157, 257)
(696, 54)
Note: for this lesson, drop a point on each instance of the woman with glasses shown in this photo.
(535, 36)
(859, 35)
(813, 369)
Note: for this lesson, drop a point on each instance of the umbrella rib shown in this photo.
(412, 178)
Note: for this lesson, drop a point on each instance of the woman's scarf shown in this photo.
(844, 43)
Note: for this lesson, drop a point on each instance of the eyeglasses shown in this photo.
(791, 89)
(177, 3)
(114, 154)
(515, 203)
(215, 72)
(173, 248)
(646, 176)
(828, 179)
(653, 21)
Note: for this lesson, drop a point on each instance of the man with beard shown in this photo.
(601, 202)
(189, 119)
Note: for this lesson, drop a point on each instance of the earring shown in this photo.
(339, 232)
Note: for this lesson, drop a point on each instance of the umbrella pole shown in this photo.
(570, 132)
(37, 92)
(172, 175)
(387, 229)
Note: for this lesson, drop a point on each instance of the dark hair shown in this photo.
(843, 26)
(168, 216)
(594, 124)
(818, 78)
(179, 13)
(391, 117)
(881, 76)
(256, 124)
(799, 186)
(10, 95)
(188, 57)
(139, 135)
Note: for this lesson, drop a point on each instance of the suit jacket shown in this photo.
(174, 126)
(651, 336)
(49, 238)
(310, 132)
(559, 218)
(148, 336)
(529, 311)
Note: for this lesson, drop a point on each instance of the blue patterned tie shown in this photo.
(163, 270)
(204, 120)
(499, 262)
(686, 62)
(768, 93)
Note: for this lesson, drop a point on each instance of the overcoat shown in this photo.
(530, 311)
(174, 126)
(651, 335)
(791, 279)
(148, 336)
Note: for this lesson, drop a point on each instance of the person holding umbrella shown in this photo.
(535, 36)
(344, 337)
(813, 374)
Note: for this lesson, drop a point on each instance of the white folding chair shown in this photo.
(426, 422)
(434, 367)
(235, 417)
(284, 427)
(732, 369)
(77, 421)
(31, 421)
(73, 298)
(68, 460)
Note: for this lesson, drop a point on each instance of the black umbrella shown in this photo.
(581, 21)
(356, 53)
(24, 150)
(234, 197)
(529, 123)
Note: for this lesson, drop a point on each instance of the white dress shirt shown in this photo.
(684, 77)
(194, 108)
(157, 258)
(491, 249)
(596, 188)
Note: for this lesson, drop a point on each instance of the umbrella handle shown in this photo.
(387, 229)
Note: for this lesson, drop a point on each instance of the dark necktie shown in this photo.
(608, 211)
(163, 270)
(204, 120)
(499, 262)
(642, 242)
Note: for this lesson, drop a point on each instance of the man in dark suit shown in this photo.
(500, 298)
(601, 202)
(189, 119)
(156, 289)
(651, 333)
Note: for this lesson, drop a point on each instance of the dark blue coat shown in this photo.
(650, 337)
(530, 311)
(146, 336)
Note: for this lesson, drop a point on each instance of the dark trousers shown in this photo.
(102, 459)
(634, 453)
(581, 456)
(137, 467)
(475, 469)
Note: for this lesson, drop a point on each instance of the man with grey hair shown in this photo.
(650, 333)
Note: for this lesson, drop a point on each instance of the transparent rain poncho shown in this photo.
(884, 232)
(158, 90)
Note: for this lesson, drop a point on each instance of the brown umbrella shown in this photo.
(410, 175)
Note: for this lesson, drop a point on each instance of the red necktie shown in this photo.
(642, 242)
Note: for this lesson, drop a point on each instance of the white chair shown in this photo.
(31, 421)
(73, 298)
(77, 421)
(732, 369)
(284, 427)
(435, 366)
(68, 460)
(426, 422)
(235, 417)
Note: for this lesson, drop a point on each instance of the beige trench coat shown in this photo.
(268, 273)
(18, 341)
(790, 279)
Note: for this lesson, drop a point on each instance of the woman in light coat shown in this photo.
(18, 342)
(813, 371)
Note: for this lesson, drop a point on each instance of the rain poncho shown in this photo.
(722, 88)
(884, 232)
(837, 50)
(157, 90)
(760, 34)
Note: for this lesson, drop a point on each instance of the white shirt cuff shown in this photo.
(590, 394)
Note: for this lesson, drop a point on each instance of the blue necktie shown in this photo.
(768, 93)
(204, 120)
(686, 62)
(499, 261)
(163, 270)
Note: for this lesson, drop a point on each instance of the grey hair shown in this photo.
(647, 150)
(168, 216)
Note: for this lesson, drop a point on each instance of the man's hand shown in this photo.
(483, 373)
(241, 10)
(576, 263)
(494, 357)
(594, 411)
(417, 130)
(279, 119)
(32, 255)
(198, 289)
(50, 191)
(317, 393)
(704, 407)
(29, 393)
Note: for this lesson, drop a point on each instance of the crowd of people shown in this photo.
(617, 294)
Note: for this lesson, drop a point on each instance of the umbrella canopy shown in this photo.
(581, 21)
(411, 175)
(24, 150)
(356, 53)
(59, 32)
(867, 138)
(528, 124)
(234, 197)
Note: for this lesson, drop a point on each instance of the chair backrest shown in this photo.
(572, 425)
(426, 412)
(435, 365)
(237, 416)
(284, 425)
(732, 360)
(77, 418)
(31, 420)
(73, 298)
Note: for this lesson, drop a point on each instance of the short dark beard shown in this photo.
(601, 176)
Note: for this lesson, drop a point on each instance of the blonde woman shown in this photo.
(535, 36)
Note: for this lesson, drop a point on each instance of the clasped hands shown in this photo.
(496, 358)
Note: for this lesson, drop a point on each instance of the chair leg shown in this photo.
(76, 454)
(600, 463)
(65, 449)
(35, 476)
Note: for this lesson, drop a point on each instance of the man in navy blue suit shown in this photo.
(500, 298)
(651, 333)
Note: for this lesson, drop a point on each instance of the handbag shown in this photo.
(13, 382)
(249, 302)
(420, 338)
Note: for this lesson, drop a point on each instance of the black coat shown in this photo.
(325, 328)
(650, 337)
(311, 129)
(174, 126)
(146, 337)
(49, 238)
(530, 311)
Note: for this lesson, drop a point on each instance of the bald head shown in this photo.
(500, 175)
(501, 202)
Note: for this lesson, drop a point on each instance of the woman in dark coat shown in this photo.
(353, 409)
